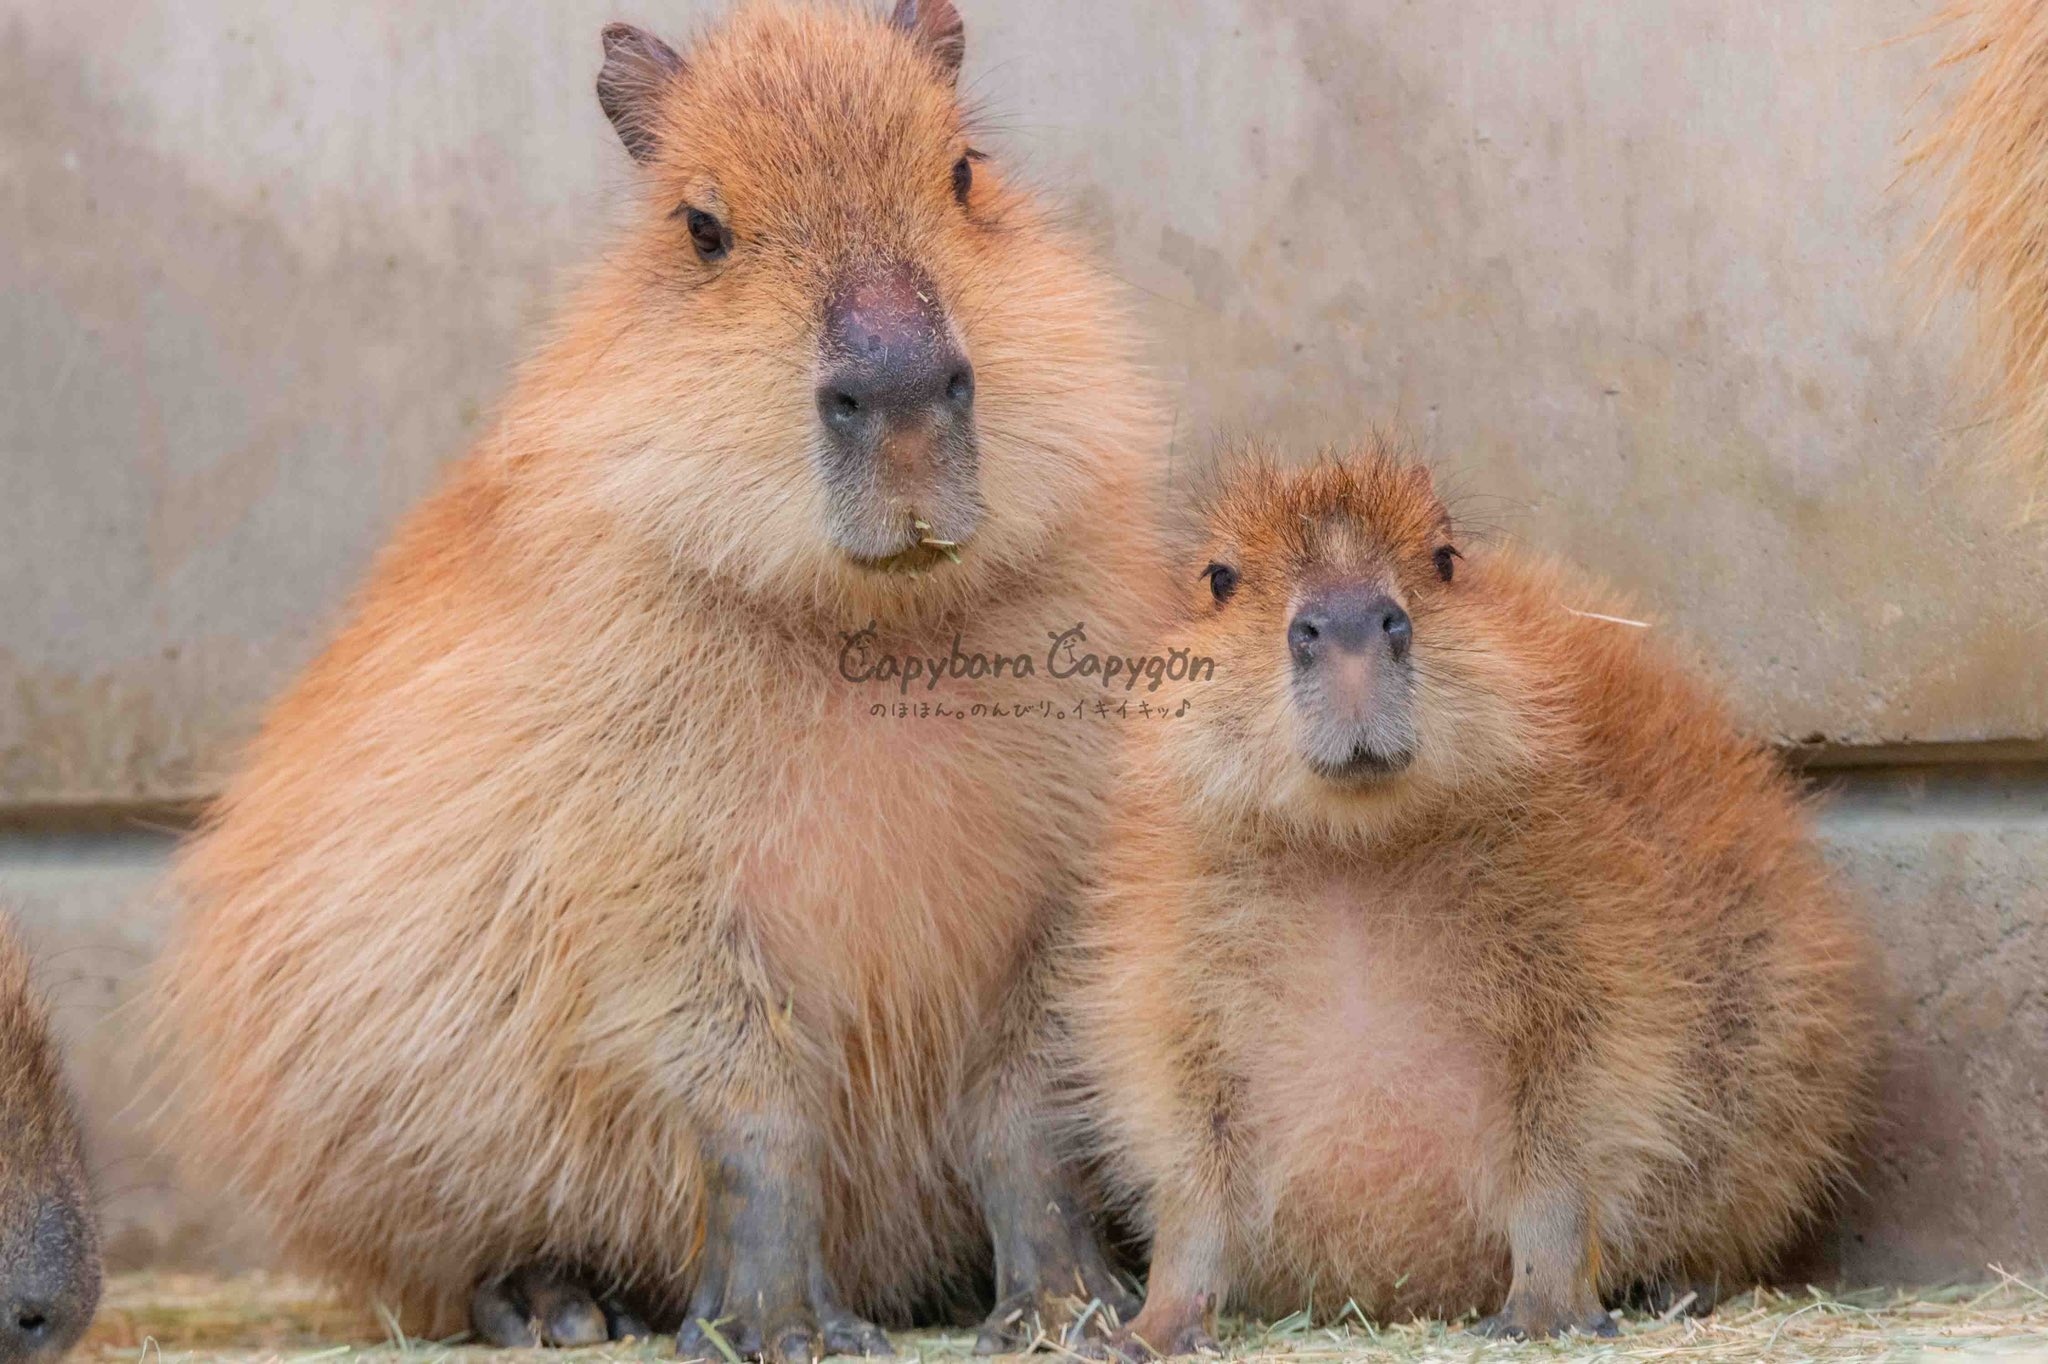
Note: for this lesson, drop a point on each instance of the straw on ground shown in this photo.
(161, 1319)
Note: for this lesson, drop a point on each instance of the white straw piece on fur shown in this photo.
(1611, 620)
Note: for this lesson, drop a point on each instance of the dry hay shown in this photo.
(155, 1319)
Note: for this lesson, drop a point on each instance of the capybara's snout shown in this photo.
(896, 412)
(1349, 644)
(49, 1276)
(1349, 622)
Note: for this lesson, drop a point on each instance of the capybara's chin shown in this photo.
(1363, 771)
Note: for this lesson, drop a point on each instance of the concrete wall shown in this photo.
(1630, 271)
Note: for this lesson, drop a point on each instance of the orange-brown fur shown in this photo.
(1988, 150)
(49, 1238)
(578, 794)
(1583, 951)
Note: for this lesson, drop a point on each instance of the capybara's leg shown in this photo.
(762, 1286)
(536, 1307)
(1555, 1288)
(1054, 1282)
(1051, 1271)
(1186, 1283)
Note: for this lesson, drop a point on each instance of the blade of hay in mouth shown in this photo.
(949, 548)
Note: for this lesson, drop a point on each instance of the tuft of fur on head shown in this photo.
(1371, 514)
(1989, 152)
(825, 143)
(49, 1241)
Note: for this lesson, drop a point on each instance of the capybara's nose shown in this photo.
(888, 357)
(49, 1291)
(1352, 622)
(26, 1327)
(37, 1327)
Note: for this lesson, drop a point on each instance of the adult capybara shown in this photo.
(49, 1236)
(583, 943)
(1452, 945)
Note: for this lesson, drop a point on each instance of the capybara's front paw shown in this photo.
(772, 1315)
(1055, 1286)
(1133, 1346)
(1091, 1308)
(1158, 1333)
(1080, 1300)
(1527, 1319)
(791, 1337)
(536, 1307)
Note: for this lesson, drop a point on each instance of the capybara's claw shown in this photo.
(846, 1334)
(1131, 1345)
(793, 1336)
(544, 1307)
(1091, 1310)
(1518, 1322)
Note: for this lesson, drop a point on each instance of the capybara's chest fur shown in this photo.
(1373, 1083)
(924, 834)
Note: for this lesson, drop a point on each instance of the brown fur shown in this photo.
(1580, 966)
(49, 1239)
(575, 842)
(1988, 151)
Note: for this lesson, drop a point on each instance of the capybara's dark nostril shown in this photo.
(843, 412)
(28, 1329)
(1400, 631)
(960, 388)
(1303, 635)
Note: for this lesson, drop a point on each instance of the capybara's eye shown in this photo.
(1222, 580)
(1445, 556)
(707, 234)
(963, 178)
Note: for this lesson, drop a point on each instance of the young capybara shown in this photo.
(49, 1236)
(584, 944)
(1452, 943)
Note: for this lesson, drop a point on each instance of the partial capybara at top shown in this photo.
(49, 1236)
(1455, 952)
(581, 948)
(1984, 153)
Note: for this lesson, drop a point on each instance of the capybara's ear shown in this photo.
(638, 70)
(1417, 482)
(936, 26)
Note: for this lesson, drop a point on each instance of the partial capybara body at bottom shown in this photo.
(1454, 952)
(49, 1238)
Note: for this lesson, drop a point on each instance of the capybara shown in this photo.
(1985, 151)
(585, 943)
(49, 1233)
(1452, 944)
